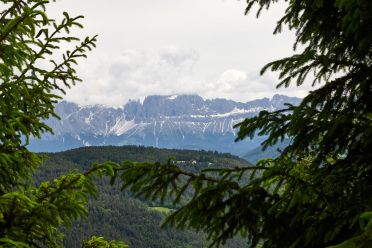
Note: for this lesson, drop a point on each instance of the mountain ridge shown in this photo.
(180, 122)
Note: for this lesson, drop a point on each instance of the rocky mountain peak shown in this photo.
(179, 121)
(155, 106)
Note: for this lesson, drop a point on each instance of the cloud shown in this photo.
(244, 86)
(131, 60)
(179, 57)
(135, 74)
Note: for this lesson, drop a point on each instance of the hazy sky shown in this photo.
(207, 47)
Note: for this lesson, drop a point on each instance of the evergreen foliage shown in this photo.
(99, 242)
(119, 215)
(31, 80)
(317, 193)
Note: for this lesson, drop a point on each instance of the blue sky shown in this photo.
(205, 47)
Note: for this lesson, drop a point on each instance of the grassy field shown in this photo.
(161, 209)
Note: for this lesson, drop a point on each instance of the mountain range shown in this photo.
(179, 122)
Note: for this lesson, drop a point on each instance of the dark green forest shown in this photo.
(118, 214)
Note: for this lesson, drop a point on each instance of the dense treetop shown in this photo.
(31, 80)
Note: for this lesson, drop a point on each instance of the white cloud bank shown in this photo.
(135, 74)
(227, 49)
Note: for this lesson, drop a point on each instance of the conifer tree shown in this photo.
(32, 79)
(318, 192)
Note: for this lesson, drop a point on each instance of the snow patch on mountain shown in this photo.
(122, 126)
(172, 97)
(89, 118)
(238, 111)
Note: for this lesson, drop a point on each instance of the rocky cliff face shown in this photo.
(182, 122)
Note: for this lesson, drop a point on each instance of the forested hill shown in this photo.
(119, 215)
(88, 155)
